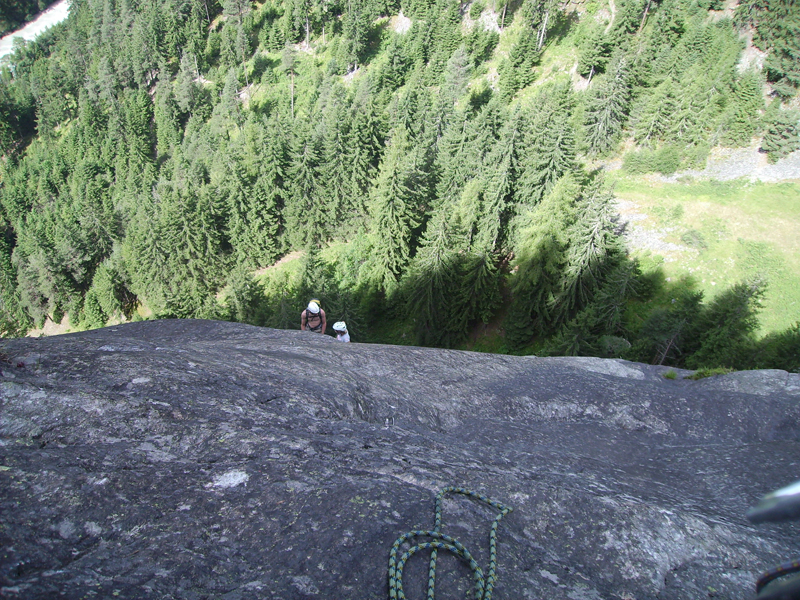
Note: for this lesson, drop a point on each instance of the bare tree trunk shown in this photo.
(671, 342)
(644, 17)
(590, 75)
(662, 355)
(244, 58)
(306, 31)
(543, 32)
(503, 18)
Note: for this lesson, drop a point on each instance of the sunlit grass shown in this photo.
(725, 232)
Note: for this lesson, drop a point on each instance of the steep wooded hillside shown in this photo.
(432, 161)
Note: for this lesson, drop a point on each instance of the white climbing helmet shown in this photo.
(313, 307)
(340, 326)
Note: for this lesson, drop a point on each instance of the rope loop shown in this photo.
(787, 568)
(484, 585)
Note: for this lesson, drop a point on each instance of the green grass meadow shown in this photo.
(720, 233)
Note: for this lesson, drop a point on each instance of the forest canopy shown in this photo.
(411, 153)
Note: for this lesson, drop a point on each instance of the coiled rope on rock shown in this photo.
(483, 585)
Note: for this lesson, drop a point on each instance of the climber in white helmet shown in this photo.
(341, 331)
(313, 318)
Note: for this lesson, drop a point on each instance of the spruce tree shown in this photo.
(594, 52)
(446, 288)
(456, 76)
(464, 216)
(549, 146)
(541, 255)
(742, 121)
(393, 212)
(355, 29)
(578, 337)
(14, 321)
(93, 315)
(237, 191)
(429, 286)
(335, 168)
(782, 135)
(271, 191)
(306, 220)
(177, 248)
(775, 24)
(446, 37)
(606, 108)
(726, 327)
(655, 114)
(621, 284)
(410, 104)
(394, 71)
(365, 148)
(594, 251)
(694, 113)
(228, 106)
(289, 65)
(517, 72)
(479, 287)
(137, 114)
(502, 169)
(186, 92)
(165, 113)
(109, 287)
(779, 350)
(463, 149)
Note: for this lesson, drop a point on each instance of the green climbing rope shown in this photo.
(483, 585)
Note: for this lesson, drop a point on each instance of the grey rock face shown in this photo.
(199, 459)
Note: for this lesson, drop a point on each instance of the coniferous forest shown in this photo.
(418, 164)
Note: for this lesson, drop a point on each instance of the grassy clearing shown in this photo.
(283, 276)
(721, 233)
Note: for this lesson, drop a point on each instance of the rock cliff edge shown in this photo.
(200, 459)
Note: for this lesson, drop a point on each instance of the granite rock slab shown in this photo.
(199, 459)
